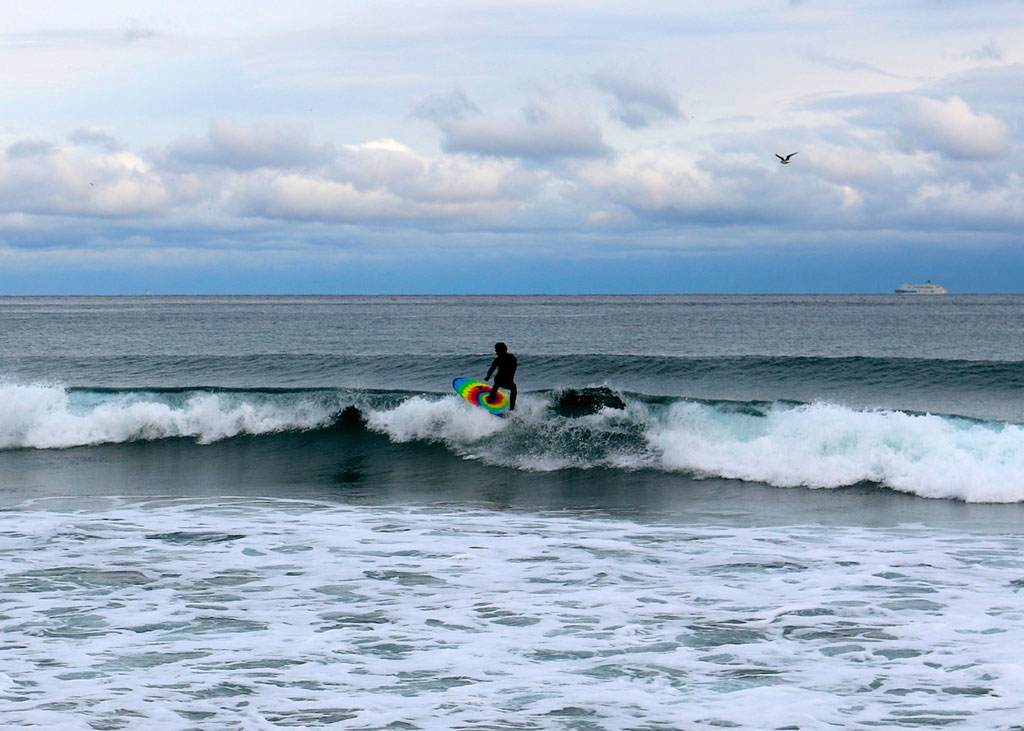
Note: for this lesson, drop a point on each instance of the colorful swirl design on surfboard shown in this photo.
(476, 391)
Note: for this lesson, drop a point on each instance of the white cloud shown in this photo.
(846, 164)
(962, 205)
(452, 179)
(680, 187)
(384, 180)
(54, 181)
(304, 197)
(951, 128)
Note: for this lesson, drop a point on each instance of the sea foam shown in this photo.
(48, 417)
(824, 445)
(233, 614)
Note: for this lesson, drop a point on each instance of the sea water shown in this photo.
(707, 512)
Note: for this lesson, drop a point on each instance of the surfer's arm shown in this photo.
(494, 364)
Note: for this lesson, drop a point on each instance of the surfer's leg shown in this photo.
(512, 397)
(493, 395)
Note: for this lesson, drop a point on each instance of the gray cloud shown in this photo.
(30, 148)
(247, 148)
(988, 52)
(446, 107)
(70, 37)
(843, 64)
(132, 35)
(95, 137)
(637, 104)
(545, 129)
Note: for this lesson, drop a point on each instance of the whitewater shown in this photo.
(706, 512)
(282, 614)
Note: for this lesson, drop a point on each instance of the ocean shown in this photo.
(707, 512)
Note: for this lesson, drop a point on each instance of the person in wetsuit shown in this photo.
(505, 363)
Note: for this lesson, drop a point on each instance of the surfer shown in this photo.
(505, 363)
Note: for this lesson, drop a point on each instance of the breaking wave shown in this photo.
(780, 443)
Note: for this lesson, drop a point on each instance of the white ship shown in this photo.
(926, 288)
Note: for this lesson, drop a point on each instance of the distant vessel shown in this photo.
(926, 288)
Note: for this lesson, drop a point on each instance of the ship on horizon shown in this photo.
(926, 288)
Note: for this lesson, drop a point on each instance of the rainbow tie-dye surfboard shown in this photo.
(476, 393)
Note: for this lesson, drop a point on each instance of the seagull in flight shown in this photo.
(784, 160)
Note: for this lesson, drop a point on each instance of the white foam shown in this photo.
(823, 445)
(450, 420)
(47, 417)
(256, 614)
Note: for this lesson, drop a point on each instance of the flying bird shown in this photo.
(784, 160)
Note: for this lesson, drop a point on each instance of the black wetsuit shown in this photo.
(505, 364)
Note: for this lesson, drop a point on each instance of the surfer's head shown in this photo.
(500, 348)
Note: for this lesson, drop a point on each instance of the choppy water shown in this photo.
(764, 512)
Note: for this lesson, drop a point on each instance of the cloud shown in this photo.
(383, 180)
(987, 52)
(842, 64)
(96, 137)
(962, 205)
(298, 196)
(30, 148)
(638, 104)
(845, 165)
(682, 188)
(250, 180)
(134, 34)
(247, 148)
(391, 165)
(950, 128)
(547, 128)
(445, 107)
(377, 181)
(48, 180)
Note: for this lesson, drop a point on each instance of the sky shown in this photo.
(490, 146)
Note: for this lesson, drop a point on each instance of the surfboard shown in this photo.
(476, 392)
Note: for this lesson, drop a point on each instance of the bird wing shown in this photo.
(780, 157)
